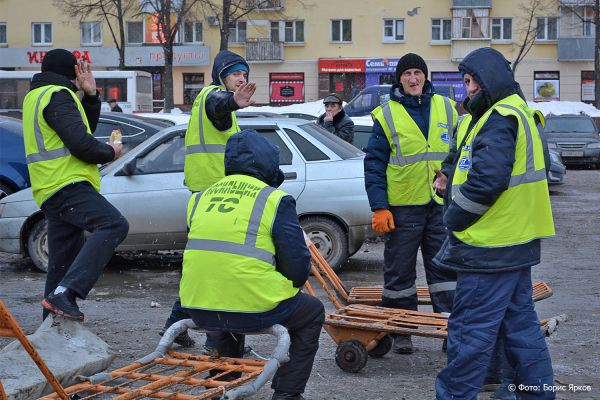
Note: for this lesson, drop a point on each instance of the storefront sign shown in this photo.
(381, 65)
(588, 88)
(143, 56)
(341, 66)
(286, 88)
(449, 84)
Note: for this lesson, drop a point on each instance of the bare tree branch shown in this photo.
(527, 27)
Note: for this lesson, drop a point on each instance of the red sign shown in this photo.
(36, 57)
(341, 65)
(287, 87)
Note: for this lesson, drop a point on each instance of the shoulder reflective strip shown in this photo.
(47, 155)
(449, 114)
(442, 287)
(256, 215)
(469, 205)
(398, 294)
(39, 138)
(205, 148)
(230, 248)
(389, 120)
(198, 195)
(407, 160)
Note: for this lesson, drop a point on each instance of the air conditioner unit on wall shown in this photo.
(213, 20)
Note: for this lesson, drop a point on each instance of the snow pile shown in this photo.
(565, 107)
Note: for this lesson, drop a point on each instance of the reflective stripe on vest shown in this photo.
(229, 262)
(522, 212)
(51, 166)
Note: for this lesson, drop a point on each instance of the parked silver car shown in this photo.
(324, 174)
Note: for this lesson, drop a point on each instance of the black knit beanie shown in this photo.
(408, 61)
(60, 61)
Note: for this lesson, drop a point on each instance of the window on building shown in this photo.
(470, 23)
(42, 33)
(547, 28)
(135, 32)
(290, 31)
(502, 28)
(576, 21)
(192, 85)
(192, 32)
(341, 30)
(91, 33)
(264, 4)
(441, 29)
(3, 33)
(237, 32)
(393, 30)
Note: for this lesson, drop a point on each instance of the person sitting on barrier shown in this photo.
(246, 260)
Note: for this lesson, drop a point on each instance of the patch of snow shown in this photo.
(565, 107)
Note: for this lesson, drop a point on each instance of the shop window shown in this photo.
(546, 85)
(341, 30)
(91, 33)
(192, 85)
(393, 30)
(135, 32)
(547, 28)
(588, 90)
(501, 28)
(112, 88)
(441, 29)
(42, 33)
(192, 32)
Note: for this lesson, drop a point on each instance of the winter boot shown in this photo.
(403, 345)
(63, 304)
(183, 339)
(286, 396)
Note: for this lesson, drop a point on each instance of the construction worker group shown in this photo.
(472, 195)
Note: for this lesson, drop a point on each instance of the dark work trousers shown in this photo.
(486, 306)
(178, 313)
(73, 261)
(416, 226)
(304, 326)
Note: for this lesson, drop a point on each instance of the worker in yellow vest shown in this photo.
(62, 157)
(246, 260)
(411, 136)
(498, 210)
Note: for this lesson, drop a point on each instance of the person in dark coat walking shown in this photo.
(411, 136)
(335, 119)
(246, 285)
(498, 209)
(114, 106)
(62, 158)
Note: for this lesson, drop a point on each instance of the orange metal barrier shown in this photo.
(179, 376)
(10, 328)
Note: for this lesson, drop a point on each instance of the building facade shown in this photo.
(300, 51)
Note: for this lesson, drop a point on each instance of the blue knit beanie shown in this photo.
(233, 68)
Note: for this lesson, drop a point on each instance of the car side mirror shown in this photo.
(128, 169)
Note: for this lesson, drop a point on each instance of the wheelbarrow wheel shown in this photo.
(351, 356)
(384, 345)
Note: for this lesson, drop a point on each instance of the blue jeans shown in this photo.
(485, 306)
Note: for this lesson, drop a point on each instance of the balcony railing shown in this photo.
(575, 48)
(266, 5)
(472, 3)
(264, 51)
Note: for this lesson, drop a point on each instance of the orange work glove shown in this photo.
(383, 221)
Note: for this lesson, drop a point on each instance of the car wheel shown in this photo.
(37, 245)
(329, 238)
(5, 190)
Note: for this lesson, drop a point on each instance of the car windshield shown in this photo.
(339, 146)
(569, 125)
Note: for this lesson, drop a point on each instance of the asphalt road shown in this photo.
(133, 298)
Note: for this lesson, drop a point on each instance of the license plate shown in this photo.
(572, 154)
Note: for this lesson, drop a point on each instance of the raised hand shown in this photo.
(242, 95)
(84, 77)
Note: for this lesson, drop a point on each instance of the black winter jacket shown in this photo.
(63, 116)
(342, 126)
(493, 155)
(220, 103)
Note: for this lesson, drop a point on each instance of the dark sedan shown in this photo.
(575, 137)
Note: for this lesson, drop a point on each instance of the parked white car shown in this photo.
(324, 174)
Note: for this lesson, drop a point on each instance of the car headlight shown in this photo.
(555, 158)
(594, 145)
(552, 145)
